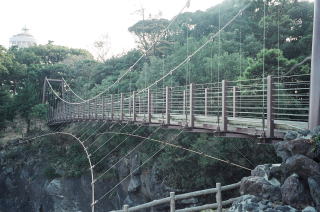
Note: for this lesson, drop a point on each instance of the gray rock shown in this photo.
(314, 185)
(54, 187)
(301, 165)
(291, 135)
(309, 209)
(134, 184)
(252, 203)
(294, 192)
(304, 132)
(282, 150)
(315, 131)
(260, 187)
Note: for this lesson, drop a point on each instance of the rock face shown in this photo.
(260, 187)
(295, 193)
(253, 203)
(295, 183)
(24, 188)
(314, 185)
(301, 165)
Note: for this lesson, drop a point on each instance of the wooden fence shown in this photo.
(173, 198)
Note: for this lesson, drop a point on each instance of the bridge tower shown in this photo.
(314, 110)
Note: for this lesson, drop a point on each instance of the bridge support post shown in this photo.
(270, 100)
(96, 108)
(224, 107)
(134, 114)
(218, 197)
(206, 101)
(235, 97)
(103, 107)
(192, 88)
(126, 208)
(112, 112)
(184, 102)
(314, 108)
(172, 202)
(149, 106)
(168, 93)
(121, 106)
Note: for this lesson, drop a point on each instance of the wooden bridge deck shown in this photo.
(236, 127)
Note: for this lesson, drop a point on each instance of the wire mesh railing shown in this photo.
(283, 100)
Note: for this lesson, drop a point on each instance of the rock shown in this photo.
(134, 184)
(291, 135)
(294, 192)
(314, 185)
(315, 131)
(286, 149)
(309, 209)
(265, 172)
(301, 165)
(282, 150)
(304, 132)
(252, 203)
(54, 188)
(260, 187)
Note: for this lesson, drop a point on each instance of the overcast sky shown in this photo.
(78, 23)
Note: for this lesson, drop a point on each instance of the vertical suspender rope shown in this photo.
(219, 51)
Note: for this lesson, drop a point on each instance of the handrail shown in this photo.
(174, 198)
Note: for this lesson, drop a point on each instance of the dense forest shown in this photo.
(277, 34)
(236, 53)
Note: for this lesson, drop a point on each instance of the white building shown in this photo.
(23, 39)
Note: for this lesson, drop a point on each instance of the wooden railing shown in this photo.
(173, 198)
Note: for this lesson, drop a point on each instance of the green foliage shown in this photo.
(39, 111)
(50, 173)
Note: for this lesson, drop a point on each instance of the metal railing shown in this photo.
(265, 105)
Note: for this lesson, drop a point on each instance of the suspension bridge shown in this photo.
(264, 108)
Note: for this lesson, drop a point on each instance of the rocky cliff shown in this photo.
(293, 185)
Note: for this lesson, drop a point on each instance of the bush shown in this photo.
(51, 173)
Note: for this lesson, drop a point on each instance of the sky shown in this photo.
(79, 23)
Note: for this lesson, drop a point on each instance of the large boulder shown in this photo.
(260, 187)
(309, 209)
(294, 193)
(256, 204)
(286, 149)
(301, 165)
(314, 185)
(270, 172)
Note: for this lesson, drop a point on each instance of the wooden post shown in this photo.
(218, 197)
(270, 100)
(168, 105)
(224, 107)
(191, 105)
(121, 106)
(126, 208)
(172, 202)
(206, 101)
(112, 112)
(44, 90)
(235, 97)
(149, 106)
(103, 106)
(184, 102)
(134, 106)
(139, 102)
(96, 108)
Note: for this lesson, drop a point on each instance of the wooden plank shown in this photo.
(191, 105)
(224, 107)
(206, 101)
(149, 106)
(270, 114)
